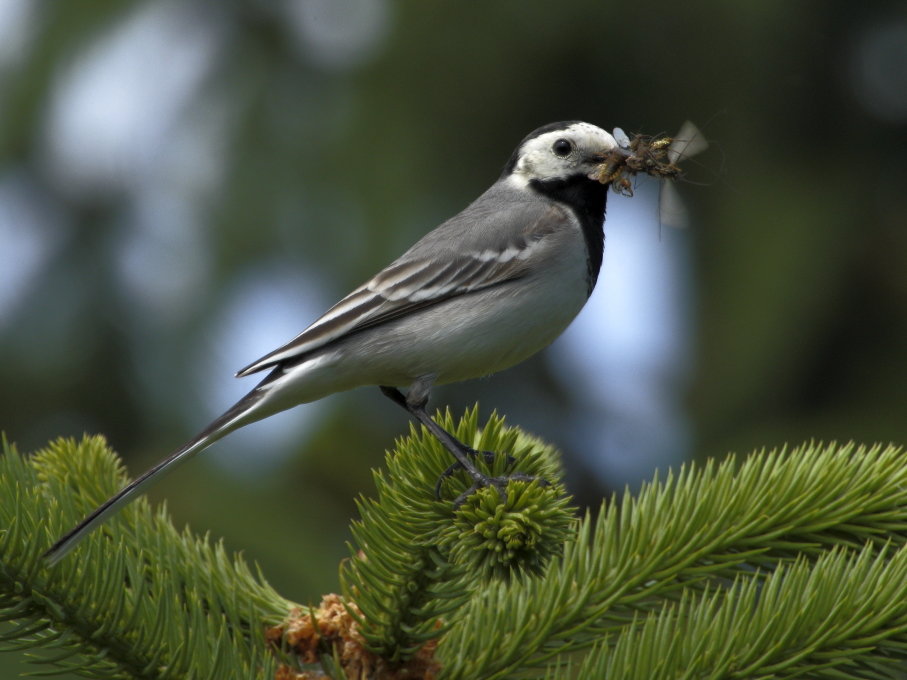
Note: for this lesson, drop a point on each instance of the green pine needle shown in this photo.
(785, 564)
(136, 599)
(823, 620)
(703, 526)
(414, 562)
(516, 535)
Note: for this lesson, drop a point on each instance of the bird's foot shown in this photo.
(481, 480)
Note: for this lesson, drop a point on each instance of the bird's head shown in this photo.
(560, 151)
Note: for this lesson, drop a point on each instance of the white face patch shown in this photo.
(560, 153)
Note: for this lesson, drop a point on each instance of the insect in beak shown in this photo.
(643, 154)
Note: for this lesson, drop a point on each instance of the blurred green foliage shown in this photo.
(329, 163)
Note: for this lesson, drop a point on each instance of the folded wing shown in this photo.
(427, 275)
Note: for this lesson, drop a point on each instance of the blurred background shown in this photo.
(186, 185)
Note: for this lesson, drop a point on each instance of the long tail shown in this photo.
(241, 413)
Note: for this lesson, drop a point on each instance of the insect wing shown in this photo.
(621, 137)
(671, 209)
(688, 142)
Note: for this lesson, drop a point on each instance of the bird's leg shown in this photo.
(457, 449)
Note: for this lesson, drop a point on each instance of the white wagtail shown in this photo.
(485, 290)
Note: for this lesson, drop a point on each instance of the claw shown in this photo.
(489, 457)
(500, 483)
(458, 449)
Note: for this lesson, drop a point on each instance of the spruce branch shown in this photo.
(706, 523)
(783, 564)
(417, 558)
(844, 616)
(138, 599)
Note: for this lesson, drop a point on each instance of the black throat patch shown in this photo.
(587, 199)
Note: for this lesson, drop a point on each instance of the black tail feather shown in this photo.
(220, 427)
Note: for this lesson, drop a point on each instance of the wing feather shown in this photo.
(422, 277)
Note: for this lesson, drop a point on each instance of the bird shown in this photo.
(482, 292)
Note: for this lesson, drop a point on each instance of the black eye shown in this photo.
(562, 148)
